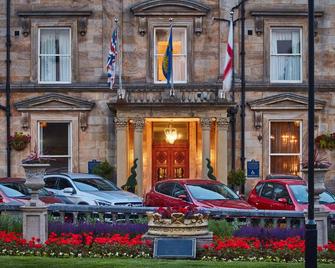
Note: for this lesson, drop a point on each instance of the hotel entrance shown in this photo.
(170, 150)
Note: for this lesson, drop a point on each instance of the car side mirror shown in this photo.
(282, 200)
(1, 199)
(68, 190)
(183, 197)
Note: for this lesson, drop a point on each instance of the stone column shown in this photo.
(221, 150)
(121, 125)
(138, 152)
(206, 142)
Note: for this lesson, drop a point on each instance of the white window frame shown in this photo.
(156, 81)
(67, 55)
(285, 154)
(296, 54)
(70, 147)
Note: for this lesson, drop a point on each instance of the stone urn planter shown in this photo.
(319, 181)
(34, 180)
(177, 225)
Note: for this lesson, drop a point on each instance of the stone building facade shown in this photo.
(59, 93)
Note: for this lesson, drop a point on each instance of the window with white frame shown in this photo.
(161, 36)
(55, 144)
(54, 55)
(285, 58)
(285, 147)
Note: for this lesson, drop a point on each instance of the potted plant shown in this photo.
(177, 221)
(19, 141)
(236, 178)
(321, 167)
(325, 141)
(35, 167)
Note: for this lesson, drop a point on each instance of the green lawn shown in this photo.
(40, 262)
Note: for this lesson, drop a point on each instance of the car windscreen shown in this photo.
(300, 193)
(11, 192)
(211, 192)
(23, 189)
(94, 184)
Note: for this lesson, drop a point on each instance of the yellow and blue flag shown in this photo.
(167, 61)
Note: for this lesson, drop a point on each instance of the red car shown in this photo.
(285, 194)
(193, 193)
(13, 189)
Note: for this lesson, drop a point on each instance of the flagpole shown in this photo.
(172, 86)
(120, 89)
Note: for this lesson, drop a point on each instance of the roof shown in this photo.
(286, 181)
(283, 176)
(76, 175)
(17, 180)
(192, 181)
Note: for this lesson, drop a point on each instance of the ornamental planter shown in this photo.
(319, 181)
(34, 180)
(197, 225)
(19, 146)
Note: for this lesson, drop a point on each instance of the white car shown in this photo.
(89, 189)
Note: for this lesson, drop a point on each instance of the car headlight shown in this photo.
(102, 203)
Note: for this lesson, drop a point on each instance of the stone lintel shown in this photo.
(55, 13)
(170, 8)
(284, 13)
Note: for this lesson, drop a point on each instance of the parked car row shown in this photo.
(276, 192)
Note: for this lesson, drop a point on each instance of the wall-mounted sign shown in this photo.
(253, 169)
(91, 164)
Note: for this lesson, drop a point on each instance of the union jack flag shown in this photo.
(111, 61)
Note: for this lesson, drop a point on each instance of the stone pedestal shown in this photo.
(201, 240)
(321, 219)
(35, 223)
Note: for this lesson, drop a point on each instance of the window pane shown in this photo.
(179, 53)
(285, 164)
(285, 41)
(179, 64)
(285, 137)
(54, 138)
(285, 68)
(55, 59)
(58, 164)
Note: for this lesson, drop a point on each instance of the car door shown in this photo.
(63, 183)
(163, 194)
(265, 200)
(51, 184)
(175, 200)
(280, 192)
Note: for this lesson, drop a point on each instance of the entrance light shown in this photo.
(170, 134)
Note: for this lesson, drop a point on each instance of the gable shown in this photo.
(54, 102)
(171, 7)
(285, 101)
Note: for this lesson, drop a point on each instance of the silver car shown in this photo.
(89, 189)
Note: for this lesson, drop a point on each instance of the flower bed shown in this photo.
(254, 249)
(229, 249)
(98, 228)
(75, 245)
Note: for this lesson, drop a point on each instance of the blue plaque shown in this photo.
(91, 164)
(253, 169)
(175, 248)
